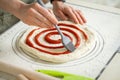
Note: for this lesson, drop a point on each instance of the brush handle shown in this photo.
(16, 70)
(60, 32)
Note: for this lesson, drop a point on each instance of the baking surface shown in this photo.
(106, 26)
(112, 69)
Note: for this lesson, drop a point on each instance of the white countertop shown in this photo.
(112, 71)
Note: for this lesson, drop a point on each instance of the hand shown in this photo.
(34, 14)
(65, 12)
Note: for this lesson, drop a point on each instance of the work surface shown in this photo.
(107, 27)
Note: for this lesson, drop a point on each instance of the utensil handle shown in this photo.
(16, 70)
(60, 32)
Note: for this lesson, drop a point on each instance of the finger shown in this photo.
(51, 12)
(40, 24)
(44, 20)
(62, 16)
(39, 17)
(46, 14)
(21, 77)
(82, 17)
(78, 17)
(71, 15)
(29, 21)
(35, 22)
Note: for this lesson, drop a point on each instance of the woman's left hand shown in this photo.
(65, 12)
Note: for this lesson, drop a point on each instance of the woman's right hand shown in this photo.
(36, 15)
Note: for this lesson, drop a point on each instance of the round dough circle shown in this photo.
(34, 37)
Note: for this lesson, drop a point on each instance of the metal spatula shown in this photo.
(65, 40)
